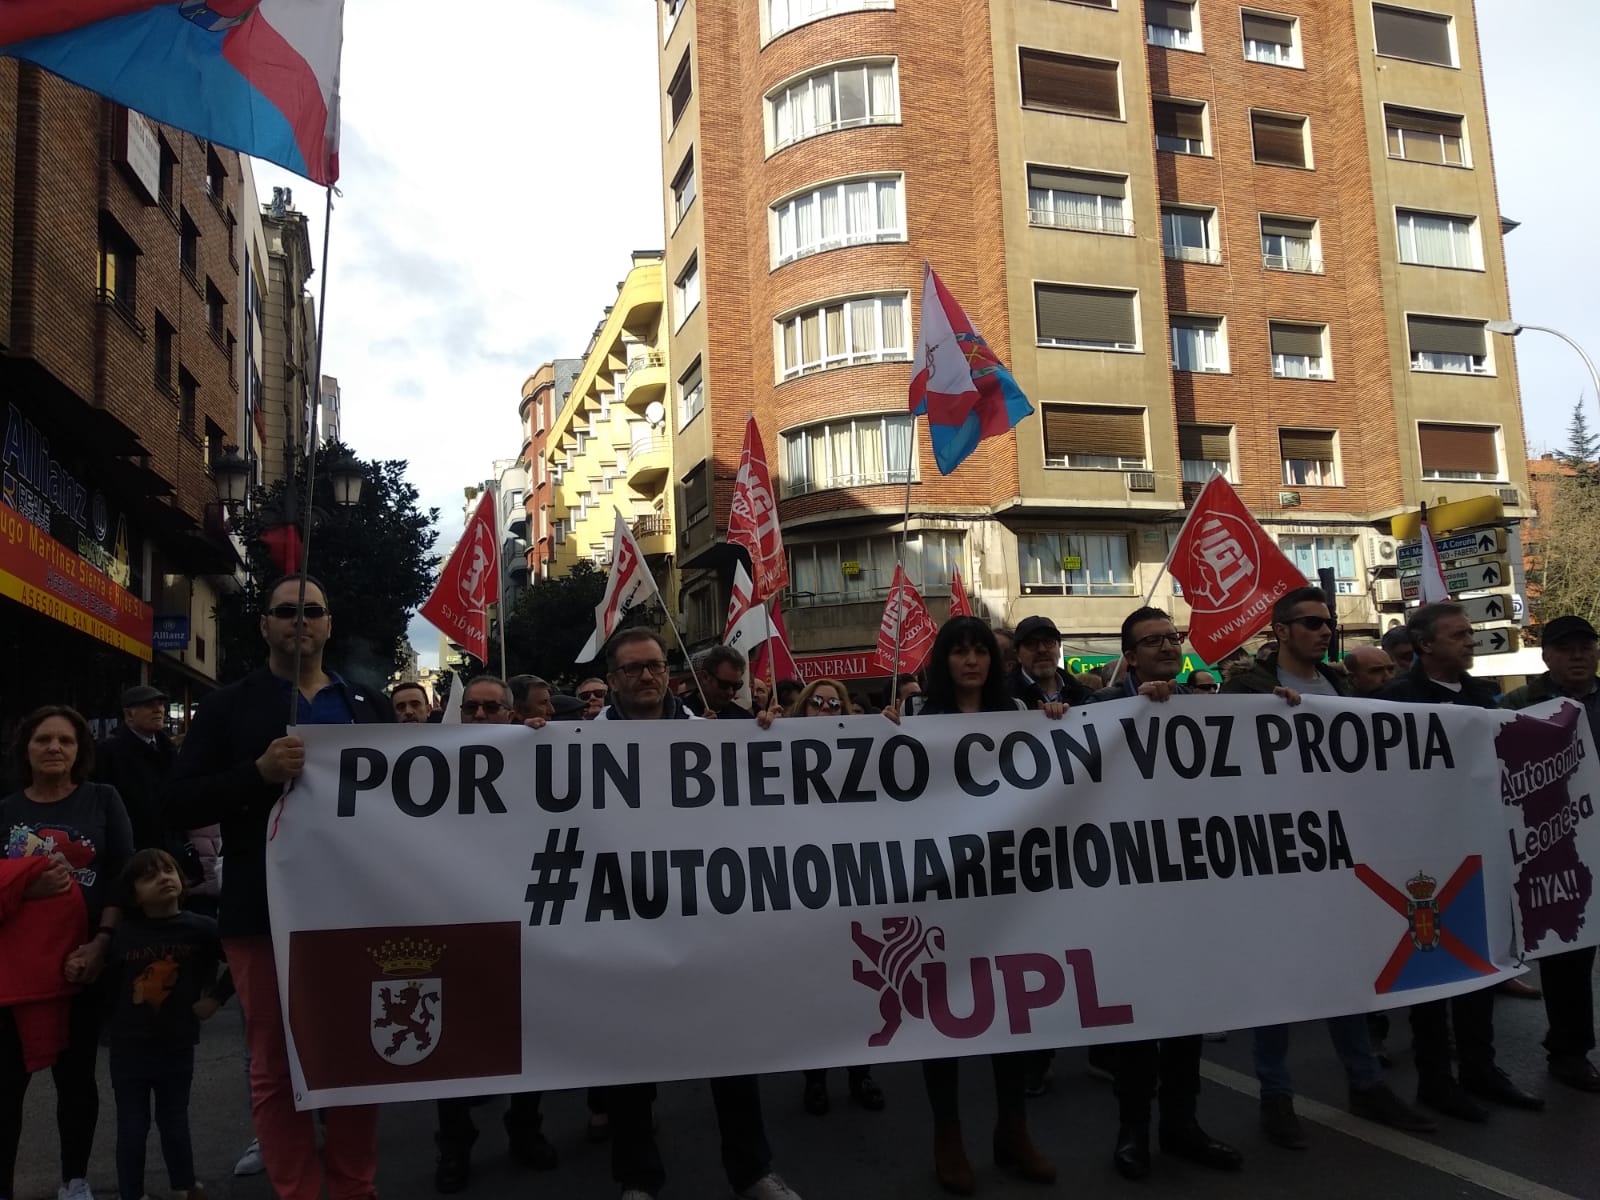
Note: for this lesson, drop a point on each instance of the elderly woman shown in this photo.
(84, 828)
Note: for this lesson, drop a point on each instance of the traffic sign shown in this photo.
(1413, 567)
(1483, 609)
(1499, 640)
(1479, 577)
(1463, 545)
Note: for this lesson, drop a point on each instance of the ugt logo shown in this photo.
(1027, 982)
(406, 1014)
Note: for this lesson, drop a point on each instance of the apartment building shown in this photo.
(543, 395)
(289, 356)
(1206, 236)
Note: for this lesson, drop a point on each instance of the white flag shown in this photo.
(1431, 588)
(452, 705)
(630, 584)
(747, 618)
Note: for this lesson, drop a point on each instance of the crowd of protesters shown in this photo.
(135, 869)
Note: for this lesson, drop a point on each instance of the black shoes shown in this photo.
(451, 1170)
(815, 1098)
(1576, 1071)
(865, 1091)
(1132, 1155)
(531, 1148)
(1280, 1122)
(1494, 1084)
(1443, 1094)
(1193, 1144)
(1378, 1103)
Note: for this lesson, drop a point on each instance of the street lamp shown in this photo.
(232, 474)
(1513, 328)
(347, 476)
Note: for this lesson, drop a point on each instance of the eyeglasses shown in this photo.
(831, 703)
(1311, 623)
(489, 708)
(1151, 641)
(634, 670)
(1202, 687)
(288, 612)
(727, 685)
(593, 694)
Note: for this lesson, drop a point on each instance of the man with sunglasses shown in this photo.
(1202, 682)
(239, 755)
(1152, 656)
(720, 670)
(638, 672)
(594, 693)
(1302, 624)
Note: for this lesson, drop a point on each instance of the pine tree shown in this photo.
(1582, 445)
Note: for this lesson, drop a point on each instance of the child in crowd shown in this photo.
(162, 971)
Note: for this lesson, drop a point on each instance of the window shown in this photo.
(1298, 351)
(686, 291)
(1310, 458)
(671, 11)
(1310, 554)
(1289, 244)
(1075, 564)
(1280, 141)
(834, 98)
(213, 442)
(861, 569)
(853, 452)
(1438, 240)
(216, 175)
(216, 308)
(119, 267)
(694, 495)
(683, 188)
(1271, 39)
(691, 394)
(169, 175)
(188, 393)
(1420, 36)
(1186, 233)
(1061, 198)
(1460, 452)
(1172, 23)
(188, 245)
(1067, 84)
(1205, 450)
(853, 213)
(784, 15)
(1428, 137)
(1180, 126)
(1085, 318)
(1198, 344)
(680, 88)
(844, 333)
(1094, 437)
(1448, 344)
(166, 336)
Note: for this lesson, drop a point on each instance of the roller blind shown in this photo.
(1083, 314)
(1287, 227)
(1093, 429)
(1414, 120)
(1058, 179)
(1296, 339)
(1180, 118)
(1067, 84)
(1174, 14)
(1306, 444)
(1407, 33)
(1209, 443)
(1459, 448)
(1259, 28)
(1446, 335)
(1279, 139)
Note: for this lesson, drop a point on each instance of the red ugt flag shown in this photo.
(784, 665)
(906, 621)
(469, 583)
(960, 606)
(753, 523)
(1231, 571)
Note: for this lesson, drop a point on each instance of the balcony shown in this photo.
(518, 525)
(646, 381)
(1194, 254)
(654, 535)
(649, 463)
(1298, 264)
(1083, 222)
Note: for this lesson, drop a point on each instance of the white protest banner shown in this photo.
(485, 909)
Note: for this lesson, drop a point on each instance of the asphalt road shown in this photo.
(854, 1155)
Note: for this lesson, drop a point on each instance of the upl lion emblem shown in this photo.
(892, 971)
(406, 1012)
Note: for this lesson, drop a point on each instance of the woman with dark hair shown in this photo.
(966, 674)
(84, 828)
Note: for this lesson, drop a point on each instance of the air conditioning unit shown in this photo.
(1510, 495)
(1382, 551)
(1141, 481)
(1386, 591)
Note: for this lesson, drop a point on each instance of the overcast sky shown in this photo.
(495, 185)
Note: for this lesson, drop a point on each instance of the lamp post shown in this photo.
(1513, 328)
(232, 474)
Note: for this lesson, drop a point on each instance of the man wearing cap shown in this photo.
(137, 759)
(1039, 679)
(1571, 651)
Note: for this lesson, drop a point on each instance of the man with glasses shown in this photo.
(1302, 625)
(720, 670)
(593, 692)
(637, 662)
(1152, 654)
(239, 754)
(1202, 682)
(1038, 679)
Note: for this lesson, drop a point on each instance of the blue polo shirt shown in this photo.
(327, 707)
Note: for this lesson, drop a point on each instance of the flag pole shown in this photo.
(899, 559)
(682, 645)
(311, 463)
(500, 582)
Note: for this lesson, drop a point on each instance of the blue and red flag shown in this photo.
(1447, 928)
(964, 390)
(260, 76)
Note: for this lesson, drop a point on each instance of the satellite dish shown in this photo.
(655, 412)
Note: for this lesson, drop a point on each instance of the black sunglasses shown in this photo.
(287, 612)
(1311, 622)
(489, 708)
(592, 694)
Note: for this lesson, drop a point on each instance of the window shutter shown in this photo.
(1446, 335)
(1259, 28)
(1174, 14)
(1459, 448)
(1288, 227)
(1092, 183)
(1414, 120)
(1083, 314)
(1296, 339)
(1204, 442)
(1093, 429)
(1279, 139)
(1067, 84)
(1180, 118)
(1306, 444)
(1406, 33)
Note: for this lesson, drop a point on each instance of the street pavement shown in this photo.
(855, 1155)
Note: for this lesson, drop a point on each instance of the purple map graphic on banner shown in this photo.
(1538, 757)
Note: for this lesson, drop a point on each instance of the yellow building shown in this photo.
(608, 448)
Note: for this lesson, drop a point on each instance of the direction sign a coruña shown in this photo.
(1481, 576)
(1463, 545)
(1500, 640)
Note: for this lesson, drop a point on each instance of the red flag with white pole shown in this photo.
(906, 624)
(753, 523)
(960, 606)
(469, 584)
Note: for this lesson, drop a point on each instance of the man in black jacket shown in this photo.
(136, 760)
(232, 769)
(1039, 679)
(1443, 638)
(720, 674)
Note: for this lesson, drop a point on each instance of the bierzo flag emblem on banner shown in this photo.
(630, 583)
(1231, 571)
(469, 583)
(753, 522)
(260, 76)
